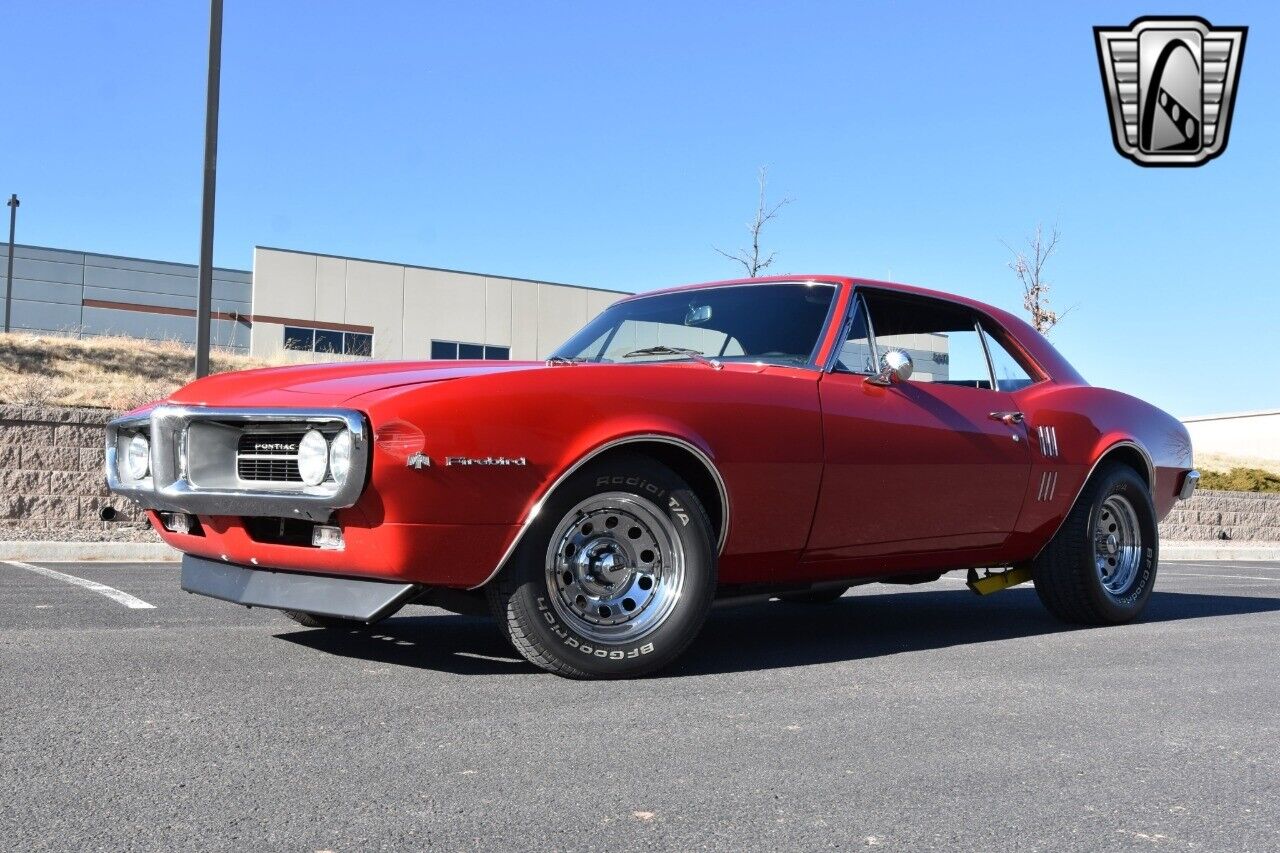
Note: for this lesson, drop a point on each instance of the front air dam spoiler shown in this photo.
(348, 598)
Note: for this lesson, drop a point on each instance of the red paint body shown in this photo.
(827, 476)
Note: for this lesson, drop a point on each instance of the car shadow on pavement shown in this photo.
(767, 635)
(445, 642)
(778, 634)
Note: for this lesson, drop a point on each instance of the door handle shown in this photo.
(1009, 418)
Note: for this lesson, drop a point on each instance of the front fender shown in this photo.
(548, 423)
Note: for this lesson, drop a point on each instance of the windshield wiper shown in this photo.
(665, 350)
(564, 359)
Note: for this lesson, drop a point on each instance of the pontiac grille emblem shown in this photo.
(1171, 86)
(274, 447)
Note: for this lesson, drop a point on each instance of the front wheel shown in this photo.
(1101, 566)
(615, 578)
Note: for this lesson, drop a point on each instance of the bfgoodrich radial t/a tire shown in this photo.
(615, 578)
(1101, 566)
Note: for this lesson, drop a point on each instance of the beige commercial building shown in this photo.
(352, 307)
(1250, 437)
(322, 306)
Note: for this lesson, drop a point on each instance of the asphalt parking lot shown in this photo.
(916, 718)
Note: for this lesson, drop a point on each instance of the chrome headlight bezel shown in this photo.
(210, 485)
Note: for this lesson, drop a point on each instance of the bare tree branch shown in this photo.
(1029, 267)
(750, 259)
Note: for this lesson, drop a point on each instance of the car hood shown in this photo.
(331, 383)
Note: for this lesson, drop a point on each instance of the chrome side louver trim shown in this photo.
(1048, 440)
(1048, 485)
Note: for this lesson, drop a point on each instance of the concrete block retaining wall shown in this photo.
(1225, 516)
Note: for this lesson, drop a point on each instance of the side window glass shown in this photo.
(1010, 375)
(942, 339)
(855, 352)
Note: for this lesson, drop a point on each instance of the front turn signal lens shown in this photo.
(399, 438)
(313, 458)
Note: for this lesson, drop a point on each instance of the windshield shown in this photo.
(773, 323)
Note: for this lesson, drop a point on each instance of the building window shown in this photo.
(356, 343)
(451, 350)
(328, 341)
(299, 339)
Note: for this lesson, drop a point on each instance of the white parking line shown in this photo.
(110, 592)
(1197, 575)
(1253, 567)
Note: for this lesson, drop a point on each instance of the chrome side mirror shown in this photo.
(895, 367)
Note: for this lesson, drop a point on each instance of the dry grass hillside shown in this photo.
(107, 373)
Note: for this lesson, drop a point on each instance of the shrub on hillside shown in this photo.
(1240, 480)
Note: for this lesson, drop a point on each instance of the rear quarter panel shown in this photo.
(1090, 423)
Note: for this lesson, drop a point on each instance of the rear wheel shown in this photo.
(316, 620)
(1101, 566)
(615, 578)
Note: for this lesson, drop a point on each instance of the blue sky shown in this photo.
(613, 144)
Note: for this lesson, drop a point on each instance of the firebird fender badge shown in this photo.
(497, 461)
(418, 461)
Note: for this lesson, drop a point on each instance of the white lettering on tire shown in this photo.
(574, 643)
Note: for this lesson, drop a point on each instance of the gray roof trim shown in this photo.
(4, 251)
(1231, 416)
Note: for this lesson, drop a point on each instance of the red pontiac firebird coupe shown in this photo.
(785, 437)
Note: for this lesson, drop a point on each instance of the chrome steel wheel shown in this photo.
(615, 567)
(1117, 544)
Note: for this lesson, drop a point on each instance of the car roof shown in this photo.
(1050, 361)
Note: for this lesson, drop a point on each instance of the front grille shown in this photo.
(269, 470)
(268, 457)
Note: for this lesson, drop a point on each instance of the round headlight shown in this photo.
(313, 458)
(137, 457)
(340, 456)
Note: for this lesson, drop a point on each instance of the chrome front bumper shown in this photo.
(207, 483)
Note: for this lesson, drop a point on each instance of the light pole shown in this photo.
(8, 279)
(204, 301)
